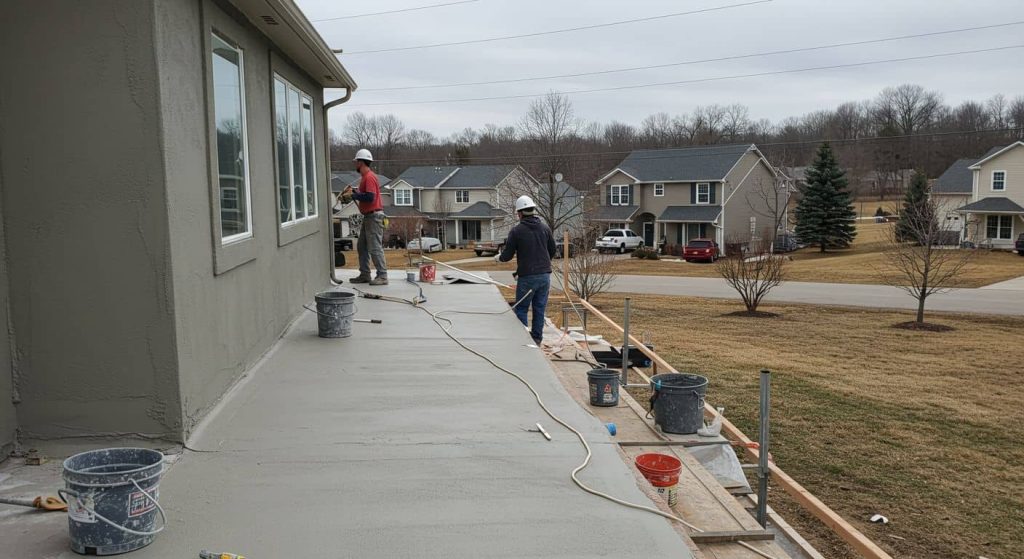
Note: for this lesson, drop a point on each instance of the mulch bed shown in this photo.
(923, 326)
(752, 314)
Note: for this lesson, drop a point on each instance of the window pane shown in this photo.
(229, 119)
(294, 126)
(307, 149)
(284, 172)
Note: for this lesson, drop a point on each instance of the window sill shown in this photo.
(295, 230)
(227, 257)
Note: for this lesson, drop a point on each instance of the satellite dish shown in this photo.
(558, 177)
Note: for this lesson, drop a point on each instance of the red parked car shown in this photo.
(701, 249)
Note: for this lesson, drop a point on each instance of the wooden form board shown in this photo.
(864, 546)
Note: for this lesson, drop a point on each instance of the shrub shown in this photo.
(645, 253)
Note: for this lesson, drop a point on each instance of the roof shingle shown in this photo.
(957, 179)
(993, 204)
(685, 164)
(615, 213)
(698, 214)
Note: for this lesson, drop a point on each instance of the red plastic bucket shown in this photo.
(427, 273)
(661, 470)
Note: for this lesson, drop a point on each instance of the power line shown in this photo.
(417, 8)
(689, 62)
(556, 31)
(699, 80)
(653, 152)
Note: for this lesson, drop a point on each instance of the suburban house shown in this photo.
(712, 192)
(994, 212)
(165, 207)
(458, 205)
(950, 192)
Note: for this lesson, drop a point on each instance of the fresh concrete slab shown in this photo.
(395, 442)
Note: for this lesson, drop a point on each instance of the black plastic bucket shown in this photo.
(604, 387)
(677, 401)
(334, 311)
(112, 499)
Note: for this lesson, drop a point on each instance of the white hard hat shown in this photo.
(363, 154)
(524, 202)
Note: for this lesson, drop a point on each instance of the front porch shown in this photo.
(993, 222)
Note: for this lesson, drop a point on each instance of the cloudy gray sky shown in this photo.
(768, 26)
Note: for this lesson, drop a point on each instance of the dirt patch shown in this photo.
(923, 326)
(752, 314)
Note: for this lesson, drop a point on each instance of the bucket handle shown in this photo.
(163, 516)
(355, 310)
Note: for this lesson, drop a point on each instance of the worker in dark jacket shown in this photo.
(531, 243)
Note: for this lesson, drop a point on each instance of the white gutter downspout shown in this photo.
(327, 158)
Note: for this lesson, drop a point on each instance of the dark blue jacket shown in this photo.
(533, 246)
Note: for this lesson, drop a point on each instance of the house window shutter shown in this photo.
(632, 199)
(711, 196)
(693, 193)
(609, 202)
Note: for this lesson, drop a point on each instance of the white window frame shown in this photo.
(304, 98)
(994, 189)
(707, 193)
(247, 234)
(620, 194)
(459, 196)
(999, 227)
(659, 189)
(402, 191)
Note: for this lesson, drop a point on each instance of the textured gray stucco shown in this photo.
(225, 321)
(8, 419)
(86, 220)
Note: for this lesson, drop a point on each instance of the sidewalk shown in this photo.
(397, 443)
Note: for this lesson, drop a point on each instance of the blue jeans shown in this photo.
(540, 284)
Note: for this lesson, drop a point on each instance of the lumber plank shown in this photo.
(732, 536)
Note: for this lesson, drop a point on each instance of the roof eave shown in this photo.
(977, 165)
(285, 24)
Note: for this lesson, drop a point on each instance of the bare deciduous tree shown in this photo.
(590, 271)
(920, 265)
(770, 199)
(753, 275)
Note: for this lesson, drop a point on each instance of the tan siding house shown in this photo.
(677, 195)
(994, 216)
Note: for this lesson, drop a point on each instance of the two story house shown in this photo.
(711, 192)
(459, 204)
(994, 215)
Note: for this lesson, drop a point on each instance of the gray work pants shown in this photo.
(371, 244)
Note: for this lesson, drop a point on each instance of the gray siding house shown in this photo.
(459, 205)
(683, 194)
(165, 207)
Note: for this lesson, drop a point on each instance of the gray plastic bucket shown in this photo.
(604, 387)
(334, 311)
(112, 499)
(677, 400)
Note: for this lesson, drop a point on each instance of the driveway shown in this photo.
(989, 300)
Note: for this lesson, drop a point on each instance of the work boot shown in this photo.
(379, 280)
(360, 279)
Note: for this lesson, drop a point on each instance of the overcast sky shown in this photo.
(769, 26)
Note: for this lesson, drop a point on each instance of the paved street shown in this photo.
(1007, 301)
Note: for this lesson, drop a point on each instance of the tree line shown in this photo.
(876, 141)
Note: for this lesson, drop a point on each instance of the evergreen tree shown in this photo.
(916, 210)
(825, 214)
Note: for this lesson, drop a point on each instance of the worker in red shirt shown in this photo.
(371, 235)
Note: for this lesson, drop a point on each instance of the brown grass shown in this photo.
(922, 427)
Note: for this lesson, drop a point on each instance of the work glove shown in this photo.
(497, 258)
(346, 198)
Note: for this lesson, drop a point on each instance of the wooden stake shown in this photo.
(565, 262)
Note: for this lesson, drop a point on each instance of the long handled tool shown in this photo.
(46, 503)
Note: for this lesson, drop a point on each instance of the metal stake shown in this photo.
(762, 463)
(625, 345)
